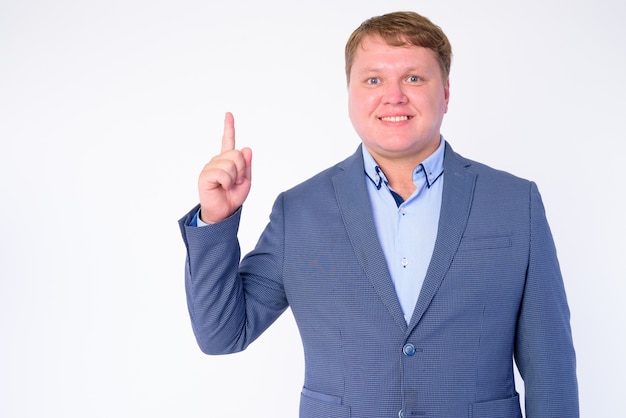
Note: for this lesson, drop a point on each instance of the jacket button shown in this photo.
(408, 350)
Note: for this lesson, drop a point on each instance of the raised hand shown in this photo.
(224, 183)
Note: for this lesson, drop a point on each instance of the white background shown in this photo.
(108, 111)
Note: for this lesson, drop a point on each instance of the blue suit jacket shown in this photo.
(493, 292)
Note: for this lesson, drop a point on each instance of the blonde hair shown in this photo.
(400, 29)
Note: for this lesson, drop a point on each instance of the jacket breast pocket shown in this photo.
(501, 408)
(485, 242)
(315, 405)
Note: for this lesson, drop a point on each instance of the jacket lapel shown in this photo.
(354, 204)
(458, 191)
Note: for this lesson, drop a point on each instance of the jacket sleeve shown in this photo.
(544, 349)
(229, 308)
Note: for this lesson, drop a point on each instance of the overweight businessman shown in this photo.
(416, 276)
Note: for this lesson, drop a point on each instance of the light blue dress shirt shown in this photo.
(407, 229)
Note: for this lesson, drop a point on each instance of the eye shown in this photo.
(413, 79)
(372, 81)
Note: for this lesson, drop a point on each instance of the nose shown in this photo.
(394, 93)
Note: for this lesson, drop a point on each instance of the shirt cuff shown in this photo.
(196, 221)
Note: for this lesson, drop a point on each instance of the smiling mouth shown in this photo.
(395, 118)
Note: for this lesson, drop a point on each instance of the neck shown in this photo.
(400, 177)
(398, 168)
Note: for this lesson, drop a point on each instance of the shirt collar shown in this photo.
(432, 167)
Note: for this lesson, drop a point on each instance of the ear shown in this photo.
(446, 93)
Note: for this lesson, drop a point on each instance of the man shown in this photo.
(415, 275)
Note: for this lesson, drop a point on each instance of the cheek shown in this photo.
(432, 105)
(360, 105)
(358, 114)
(354, 106)
(355, 115)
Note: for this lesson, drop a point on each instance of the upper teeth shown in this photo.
(395, 118)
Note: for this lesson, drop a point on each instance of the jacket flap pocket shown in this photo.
(501, 408)
(316, 404)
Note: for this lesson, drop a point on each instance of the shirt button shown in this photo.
(408, 350)
(404, 262)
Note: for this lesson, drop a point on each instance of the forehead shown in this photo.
(375, 52)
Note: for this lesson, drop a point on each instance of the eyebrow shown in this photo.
(421, 71)
(379, 69)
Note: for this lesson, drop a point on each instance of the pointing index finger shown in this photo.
(228, 138)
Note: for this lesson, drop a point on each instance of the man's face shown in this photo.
(396, 100)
